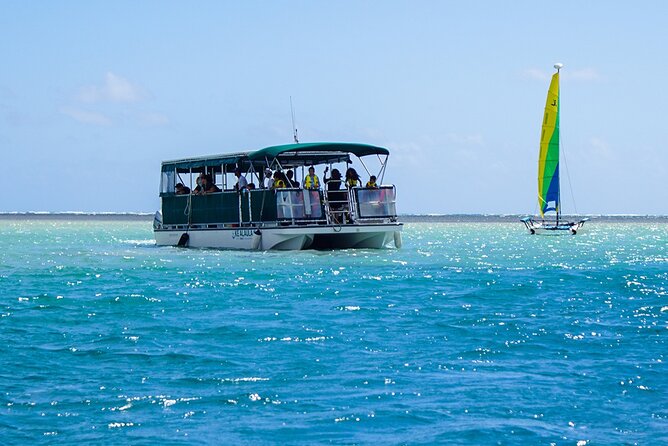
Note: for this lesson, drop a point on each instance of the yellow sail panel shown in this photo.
(548, 160)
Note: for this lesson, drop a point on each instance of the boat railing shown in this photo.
(375, 203)
(337, 204)
(282, 206)
(200, 210)
(298, 205)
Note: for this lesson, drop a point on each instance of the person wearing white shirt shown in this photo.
(241, 180)
(268, 179)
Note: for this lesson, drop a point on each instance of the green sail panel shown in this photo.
(548, 160)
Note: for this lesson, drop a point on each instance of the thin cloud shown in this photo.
(600, 147)
(536, 74)
(114, 89)
(86, 117)
(411, 154)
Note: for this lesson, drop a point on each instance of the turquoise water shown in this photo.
(472, 333)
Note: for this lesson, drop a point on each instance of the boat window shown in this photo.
(380, 202)
(290, 204)
(168, 182)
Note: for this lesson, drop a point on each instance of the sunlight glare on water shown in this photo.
(471, 333)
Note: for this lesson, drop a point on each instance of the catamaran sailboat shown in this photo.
(549, 199)
(285, 217)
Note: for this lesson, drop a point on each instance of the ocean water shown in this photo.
(472, 333)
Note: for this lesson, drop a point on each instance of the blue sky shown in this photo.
(94, 95)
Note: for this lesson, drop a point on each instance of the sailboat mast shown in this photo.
(558, 66)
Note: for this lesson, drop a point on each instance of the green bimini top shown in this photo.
(288, 155)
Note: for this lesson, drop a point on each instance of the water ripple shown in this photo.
(471, 333)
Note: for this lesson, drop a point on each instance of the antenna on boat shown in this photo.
(558, 66)
(294, 127)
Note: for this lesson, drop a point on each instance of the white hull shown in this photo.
(285, 238)
(551, 228)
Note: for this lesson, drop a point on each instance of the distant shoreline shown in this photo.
(407, 218)
(505, 218)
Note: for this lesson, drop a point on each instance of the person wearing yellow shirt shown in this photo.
(280, 181)
(372, 182)
(311, 182)
(352, 178)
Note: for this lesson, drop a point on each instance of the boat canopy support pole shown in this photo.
(364, 165)
(383, 164)
(239, 213)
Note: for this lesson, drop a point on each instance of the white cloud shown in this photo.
(114, 89)
(113, 101)
(410, 154)
(600, 148)
(536, 74)
(86, 117)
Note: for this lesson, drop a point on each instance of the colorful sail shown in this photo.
(548, 161)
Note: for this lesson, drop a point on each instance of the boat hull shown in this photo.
(374, 236)
(536, 227)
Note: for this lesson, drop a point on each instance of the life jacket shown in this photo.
(351, 182)
(371, 184)
(315, 184)
(279, 184)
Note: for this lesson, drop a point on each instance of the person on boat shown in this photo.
(311, 182)
(372, 182)
(336, 197)
(208, 186)
(280, 181)
(269, 181)
(251, 186)
(352, 178)
(198, 189)
(290, 177)
(181, 189)
(242, 183)
(334, 182)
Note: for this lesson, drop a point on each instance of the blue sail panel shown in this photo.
(551, 202)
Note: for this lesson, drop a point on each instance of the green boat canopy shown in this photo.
(309, 147)
(288, 155)
(208, 161)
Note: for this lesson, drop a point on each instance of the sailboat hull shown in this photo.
(543, 227)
